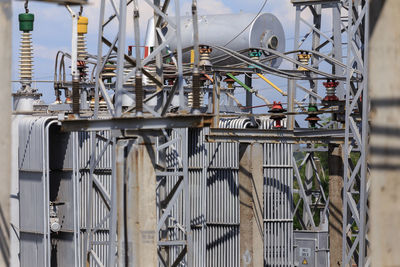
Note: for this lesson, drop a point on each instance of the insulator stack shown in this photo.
(26, 58)
(312, 117)
(131, 80)
(303, 58)
(82, 49)
(205, 52)
(196, 91)
(108, 72)
(276, 109)
(330, 91)
(190, 99)
(139, 94)
(81, 46)
(146, 80)
(255, 54)
(230, 82)
(26, 51)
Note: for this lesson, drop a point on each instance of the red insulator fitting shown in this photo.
(229, 81)
(331, 90)
(277, 108)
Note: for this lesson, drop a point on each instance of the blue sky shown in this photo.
(53, 32)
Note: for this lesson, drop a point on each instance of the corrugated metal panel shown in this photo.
(99, 209)
(33, 192)
(278, 202)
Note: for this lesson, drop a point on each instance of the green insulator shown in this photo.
(312, 108)
(26, 22)
(255, 54)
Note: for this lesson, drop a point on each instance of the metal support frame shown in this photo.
(174, 239)
(118, 44)
(355, 192)
(176, 247)
(98, 188)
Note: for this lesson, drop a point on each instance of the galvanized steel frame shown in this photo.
(119, 41)
(355, 198)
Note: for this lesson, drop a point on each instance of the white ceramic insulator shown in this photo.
(190, 99)
(131, 80)
(26, 57)
(82, 51)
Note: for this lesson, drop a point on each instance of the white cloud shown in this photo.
(206, 7)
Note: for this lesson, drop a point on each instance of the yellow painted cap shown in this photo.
(83, 24)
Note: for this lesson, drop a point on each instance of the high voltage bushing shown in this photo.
(139, 93)
(277, 108)
(205, 52)
(196, 91)
(330, 86)
(81, 46)
(26, 58)
(312, 117)
(75, 96)
(303, 57)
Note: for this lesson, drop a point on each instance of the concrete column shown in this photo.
(141, 214)
(335, 163)
(251, 205)
(5, 128)
(384, 157)
(137, 218)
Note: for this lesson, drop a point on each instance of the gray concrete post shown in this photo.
(5, 128)
(251, 205)
(384, 157)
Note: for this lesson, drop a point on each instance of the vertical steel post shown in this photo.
(139, 94)
(120, 57)
(159, 58)
(99, 58)
(180, 56)
(292, 83)
(188, 226)
(196, 74)
(337, 46)
(355, 209)
(119, 148)
(316, 37)
(308, 186)
(113, 208)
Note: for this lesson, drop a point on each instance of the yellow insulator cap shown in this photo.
(83, 25)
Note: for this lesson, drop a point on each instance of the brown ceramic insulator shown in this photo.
(139, 93)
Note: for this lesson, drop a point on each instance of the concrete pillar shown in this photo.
(137, 221)
(384, 157)
(5, 128)
(251, 205)
(335, 163)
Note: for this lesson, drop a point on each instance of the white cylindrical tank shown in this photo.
(233, 31)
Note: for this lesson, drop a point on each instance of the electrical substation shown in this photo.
(164, 152)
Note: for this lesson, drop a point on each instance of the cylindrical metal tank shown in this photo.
(234, 31)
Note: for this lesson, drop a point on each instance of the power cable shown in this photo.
(26, 7)
(259, 12)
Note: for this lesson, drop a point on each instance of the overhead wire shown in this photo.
(259, 12)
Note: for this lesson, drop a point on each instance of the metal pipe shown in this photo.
(272, 84)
